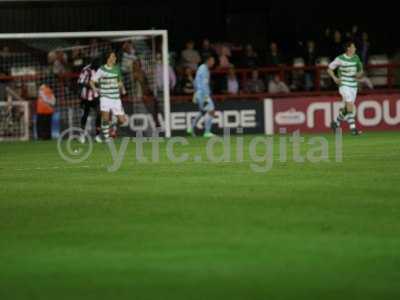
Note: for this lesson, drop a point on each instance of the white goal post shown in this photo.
(14, 118)
(114, 37)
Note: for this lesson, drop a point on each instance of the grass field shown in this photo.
(200, 230)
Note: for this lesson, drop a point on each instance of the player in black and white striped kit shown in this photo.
(89, 98)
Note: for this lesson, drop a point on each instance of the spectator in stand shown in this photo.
(5, 52)
(190, 57)
(326, 43)
(310, 57)
(310, 54)
(140, 84)
(255, 84)
(364, 48)
(299, 48)
(94, 51)
(4, 71)
(337, 45)
(159, 97)
(160, 76)
(4, 63)
(206, 50)
(237, 53)
(77, 59)
(225, 54)
(276, 85)
(180, 75)
(187, 85)
(250, 57)
(274, 57)
(57, 61)
(356, 35)
(62, 59)
(231, 83)
(396, 60)
(128, 57)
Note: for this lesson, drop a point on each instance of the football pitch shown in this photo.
(201, 229)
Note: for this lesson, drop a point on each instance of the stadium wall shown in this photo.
(314, 114)
(309, 114)
(265, 115)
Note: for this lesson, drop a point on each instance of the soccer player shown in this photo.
(89, 97)
(350, 71)
(109, 79)
(202, 97)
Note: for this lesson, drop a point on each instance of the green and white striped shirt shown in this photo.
(108, 80)
(348, 67)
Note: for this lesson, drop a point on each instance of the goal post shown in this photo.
(14, 117)
(33, 59)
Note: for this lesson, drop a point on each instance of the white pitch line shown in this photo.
(59, 168)
(190, 161)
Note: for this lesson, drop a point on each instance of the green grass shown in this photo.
(201, 230)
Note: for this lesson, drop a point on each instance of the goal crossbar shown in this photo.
(104, 34)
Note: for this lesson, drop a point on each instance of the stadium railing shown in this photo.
(294, 95)
(386, 71)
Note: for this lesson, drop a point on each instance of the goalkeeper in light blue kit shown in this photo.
(202, 97)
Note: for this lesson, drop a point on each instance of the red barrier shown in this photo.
(314, 114)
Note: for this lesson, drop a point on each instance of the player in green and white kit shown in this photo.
(109, 80)
(350, 71)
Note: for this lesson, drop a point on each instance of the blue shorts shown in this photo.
(204, 105)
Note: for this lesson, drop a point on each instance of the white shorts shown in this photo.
(115, 106)
(348, 94)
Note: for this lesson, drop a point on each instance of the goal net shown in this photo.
(29, 61)
(14, 116)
